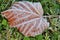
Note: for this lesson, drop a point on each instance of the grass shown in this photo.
(51, 12)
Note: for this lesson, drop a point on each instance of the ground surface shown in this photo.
(51, 11)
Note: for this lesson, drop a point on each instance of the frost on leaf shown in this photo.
(27, 17)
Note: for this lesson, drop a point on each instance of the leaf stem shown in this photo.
(52, 16)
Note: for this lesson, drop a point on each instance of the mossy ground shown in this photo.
(51, 11)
